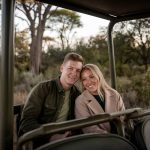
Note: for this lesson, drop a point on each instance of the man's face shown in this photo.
(70, 73)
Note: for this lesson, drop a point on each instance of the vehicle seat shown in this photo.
(17, 112)
(90, 142)
(141, 136)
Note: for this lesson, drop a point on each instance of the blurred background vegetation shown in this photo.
(38, 53)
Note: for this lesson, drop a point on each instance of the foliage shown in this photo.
(123, 70)
(64, 22)
(135, 90)
(26, 80)
(142, 85)
(22, 51)
(39, 17)
(52, 58)
(136, 41)
(52, 72)
(94, 50)
(133, 77)
(35, 15)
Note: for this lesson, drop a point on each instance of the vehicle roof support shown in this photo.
(6, 75)
(111, 54)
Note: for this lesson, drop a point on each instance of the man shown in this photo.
(53, 101)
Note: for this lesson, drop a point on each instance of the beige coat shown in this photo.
(86, 105)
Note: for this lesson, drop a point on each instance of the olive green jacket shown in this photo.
(44, 103)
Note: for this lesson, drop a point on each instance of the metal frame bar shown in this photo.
(52, 128)
(6, 61)
(111, 54)
(107, 16)
(6, 75)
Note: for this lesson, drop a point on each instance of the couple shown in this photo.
(59, 99)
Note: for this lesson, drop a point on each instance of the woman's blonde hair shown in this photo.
(102, 84)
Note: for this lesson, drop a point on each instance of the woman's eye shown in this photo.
(83, 79)
(91, 77)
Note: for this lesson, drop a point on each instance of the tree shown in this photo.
(137, 37)
(141, 37)
(21, 51)
(63, 22)
(94, 50)
(36, 16)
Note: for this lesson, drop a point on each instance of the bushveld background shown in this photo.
(43, 39)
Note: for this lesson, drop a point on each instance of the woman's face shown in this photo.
(89, 81)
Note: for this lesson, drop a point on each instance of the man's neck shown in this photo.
(66, 87)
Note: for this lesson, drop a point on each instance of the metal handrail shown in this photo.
(51, 128)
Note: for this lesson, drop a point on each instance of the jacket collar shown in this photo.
(59, 85)
(94, 105)
(92, 102)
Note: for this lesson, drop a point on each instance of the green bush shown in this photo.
(124, 84)
(123, 70)
(51, 72)
(142, 85)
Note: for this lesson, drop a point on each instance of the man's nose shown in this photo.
(74, 72)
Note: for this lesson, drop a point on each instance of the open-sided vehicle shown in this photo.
(112, 10)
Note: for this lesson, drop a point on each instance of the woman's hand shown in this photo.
(60, 136)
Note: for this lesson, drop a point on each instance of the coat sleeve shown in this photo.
(120, 105)
(81, 111)
(32, 109)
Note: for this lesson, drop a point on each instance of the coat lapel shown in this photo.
(95, 108)
(110, 102)
(92, 103)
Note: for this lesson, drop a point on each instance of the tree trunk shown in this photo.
(36, 50)
(35, 14)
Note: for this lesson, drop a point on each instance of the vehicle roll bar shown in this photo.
(52, 128)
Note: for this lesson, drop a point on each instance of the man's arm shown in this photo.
(32, 109)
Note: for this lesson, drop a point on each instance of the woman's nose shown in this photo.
(88, 82)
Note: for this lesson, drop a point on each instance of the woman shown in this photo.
(97, 97)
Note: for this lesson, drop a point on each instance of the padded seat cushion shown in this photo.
(90, 142)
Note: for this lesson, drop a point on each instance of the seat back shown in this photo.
(17, 113)
(142, 134)
(90, 142)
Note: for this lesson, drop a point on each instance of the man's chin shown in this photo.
(72, 83)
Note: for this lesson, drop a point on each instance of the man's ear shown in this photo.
(61, 68)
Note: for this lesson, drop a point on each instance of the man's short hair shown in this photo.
(74, 57)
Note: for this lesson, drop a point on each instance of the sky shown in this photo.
(91, 25)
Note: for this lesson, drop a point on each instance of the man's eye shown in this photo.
(83, 79)
(70, 68)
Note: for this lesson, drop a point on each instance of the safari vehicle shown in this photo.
(112, 10)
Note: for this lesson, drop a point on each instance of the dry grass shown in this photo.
(20, 97)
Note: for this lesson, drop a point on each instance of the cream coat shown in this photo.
(86, 105)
